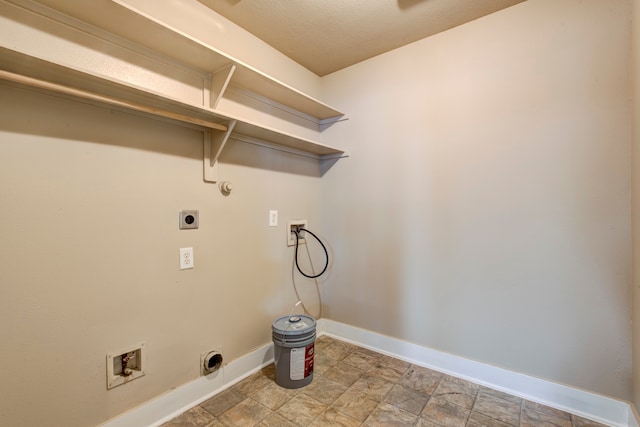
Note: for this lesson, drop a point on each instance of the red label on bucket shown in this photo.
(301, 362)
(308, 360)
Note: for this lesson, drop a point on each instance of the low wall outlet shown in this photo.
(291, 236)
(126, 365)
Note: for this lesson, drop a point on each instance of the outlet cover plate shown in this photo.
(273, 218)
(188, 219)
(186, 258)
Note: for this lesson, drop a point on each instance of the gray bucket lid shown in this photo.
(294, 325)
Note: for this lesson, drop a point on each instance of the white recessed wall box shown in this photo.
(126, 364)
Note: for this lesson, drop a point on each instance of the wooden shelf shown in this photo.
(44, 76)
(173, 34)
(175, 31)
(137, 62)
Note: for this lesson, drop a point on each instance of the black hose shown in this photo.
(326, 254)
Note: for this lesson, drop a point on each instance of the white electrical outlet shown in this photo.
(186, 258)
(273, 218)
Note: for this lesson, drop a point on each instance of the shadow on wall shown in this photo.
(56, 123)
(25, 120)
(242, 153)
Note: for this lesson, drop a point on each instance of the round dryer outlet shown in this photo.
(211, 362)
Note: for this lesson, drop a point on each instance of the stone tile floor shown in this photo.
(353, 386)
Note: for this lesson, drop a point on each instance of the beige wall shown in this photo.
(89, 254)
(485, 210)
(635, 185)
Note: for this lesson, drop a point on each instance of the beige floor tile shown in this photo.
(324, 389)
(269, 371)
(454, 392)
(223, 401)
(254, 383)
(425, 422)
(343, 374)
(470, 387)
(194, 417)
(245, 414)
(406, 399)
(500, 395)
(530, 418)
(355, 404)
(502, 410)
(420, 379)
(329, 352)
(374, 387)
(302, 409)
(336, 351)
(323, 362)
(276, 420)
(331, 417)
(388, 368)
(583, 422)
(346, 347)
(323, 341)
(273, 396)
(527, 404)
(362, 361)
(367, 352)
(386, 415)
(445, 413)
(392, 361)
(477, 419)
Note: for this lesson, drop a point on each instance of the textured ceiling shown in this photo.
(328, 35)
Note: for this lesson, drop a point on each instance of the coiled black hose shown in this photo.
(326, 254)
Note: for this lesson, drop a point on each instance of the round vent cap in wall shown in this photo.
(211, 362)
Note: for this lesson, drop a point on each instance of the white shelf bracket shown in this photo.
(213, 146)
(219, 82)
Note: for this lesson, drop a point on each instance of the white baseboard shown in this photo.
(163, 408)
(633, 416)
(589, 405)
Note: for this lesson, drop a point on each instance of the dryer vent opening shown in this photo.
(211, 362)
